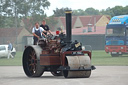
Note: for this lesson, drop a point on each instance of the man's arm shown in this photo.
(42, 30)
(44, 34)
(36, 35)
(49, 32)
(33, 32)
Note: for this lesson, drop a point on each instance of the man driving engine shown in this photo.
(45, 27)
(37, 33)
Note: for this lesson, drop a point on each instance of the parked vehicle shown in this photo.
(4, 51)
(117, 36)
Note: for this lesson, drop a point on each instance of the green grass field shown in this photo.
(98, 58)
(103, 59)
(12, 62)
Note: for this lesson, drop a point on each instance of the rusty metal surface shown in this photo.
(50, 60)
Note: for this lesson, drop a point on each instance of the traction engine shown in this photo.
(58, 55)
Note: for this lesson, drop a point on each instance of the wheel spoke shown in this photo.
(30, 55)
(30, 64)
(34, 69)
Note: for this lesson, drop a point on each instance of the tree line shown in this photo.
(117, 10)
(12, 12)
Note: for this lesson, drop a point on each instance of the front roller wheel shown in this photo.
(31, 61)
(75, 62)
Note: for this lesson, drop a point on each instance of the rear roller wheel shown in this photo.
(31, 61)
(75, 62)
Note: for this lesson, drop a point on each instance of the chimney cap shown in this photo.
(68, 11)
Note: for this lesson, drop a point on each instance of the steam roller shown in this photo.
(59, 55)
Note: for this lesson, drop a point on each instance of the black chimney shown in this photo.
(68, 25)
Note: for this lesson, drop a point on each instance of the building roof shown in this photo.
(28, 24)
(9, 32)
(64, 21)
(85, 20)
(74, 20)
(108, 17)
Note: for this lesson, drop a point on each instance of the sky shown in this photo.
(83, 4)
